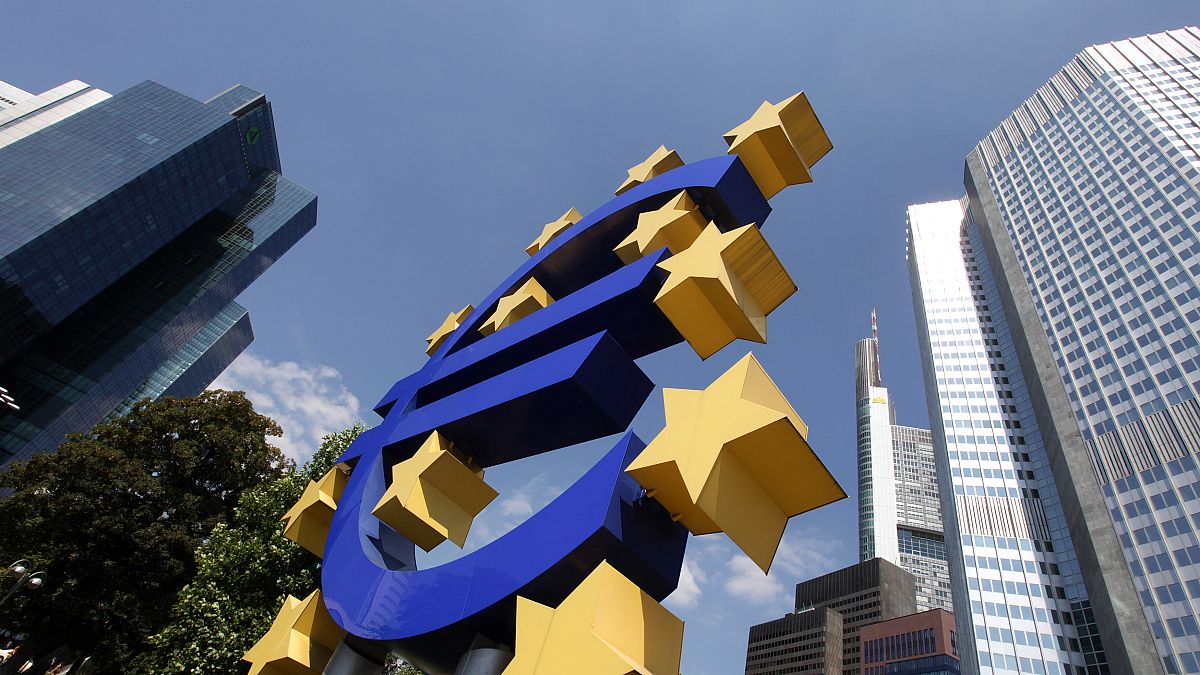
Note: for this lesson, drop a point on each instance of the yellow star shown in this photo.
(434, 495)
(307, 522)
(659, 162)
(452, 322)
(722, 288)
(300, 641)
(526, 300)
(552, 230)
(735, 458)
(780, 143)
(607, 625)
(676, 225)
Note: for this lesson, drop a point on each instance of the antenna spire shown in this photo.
(875, 338)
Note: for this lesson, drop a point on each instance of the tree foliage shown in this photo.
(115, 517)
(244, 571)
(396, 666)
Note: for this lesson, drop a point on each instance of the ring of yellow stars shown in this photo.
(722, 288)
(451, 324)
(780, 143)
(659, 162)
(735, 458)
(435, 495)
(552, 230)
(606, 626)
(676, 225)
(300, 641)
(307, 522)
(526, 300)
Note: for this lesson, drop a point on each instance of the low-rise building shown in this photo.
(821, 636)
(918, 644)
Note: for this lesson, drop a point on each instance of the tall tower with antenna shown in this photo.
(899, 515)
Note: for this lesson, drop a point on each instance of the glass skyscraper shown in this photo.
(899, 514)
(1059, 305)
(128, 225)
(1017, 587)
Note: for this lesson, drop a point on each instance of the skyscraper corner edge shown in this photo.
(202, 210)
(1125, 633)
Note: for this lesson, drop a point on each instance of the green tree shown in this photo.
(244, 571)
(396, 666)
(114, 518)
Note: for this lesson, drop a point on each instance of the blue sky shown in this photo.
(441, 136)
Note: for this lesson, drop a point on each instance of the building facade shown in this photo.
(1087, 197)
(899, 512)
(1017, 584)
(925, 643)
(821, 636)
(801, 642)
(1063, 294)
(128, 225)
(876, 458)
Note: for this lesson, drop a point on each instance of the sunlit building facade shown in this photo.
(1094, 212)
(1015, 561)
(1077, 273)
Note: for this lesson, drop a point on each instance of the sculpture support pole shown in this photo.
(484, 661)
(348, 661)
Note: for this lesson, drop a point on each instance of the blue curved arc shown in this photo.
(596, 518)
(621, 303)
(586, 390)
(377, 593)
(721, 184)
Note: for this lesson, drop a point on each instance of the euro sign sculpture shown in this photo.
(548, 360)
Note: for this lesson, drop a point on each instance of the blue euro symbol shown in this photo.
(561, 376)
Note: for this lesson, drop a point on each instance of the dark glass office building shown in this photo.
(822, 635)
(128, 225)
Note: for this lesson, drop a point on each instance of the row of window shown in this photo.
(902, 646)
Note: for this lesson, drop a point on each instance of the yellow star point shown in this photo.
(434, 495)
(722, 288)
(451, 324)
(659, 162)
(552, 230)
(780, 143)
(526, 300)
(735, 458)
(676, 225)
(307, 522)
(607, 625)
(300, 641)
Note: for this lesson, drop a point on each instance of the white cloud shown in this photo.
(817, 555)
(308, 401)
(688, 593)
(801, 556)
(721, 592)
(747, 581)
(511, 510)
(518, 506)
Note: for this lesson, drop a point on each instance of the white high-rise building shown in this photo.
(899, 516)
(1063, 295)
(1011, 571)
(11, 96)
(23, 113)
